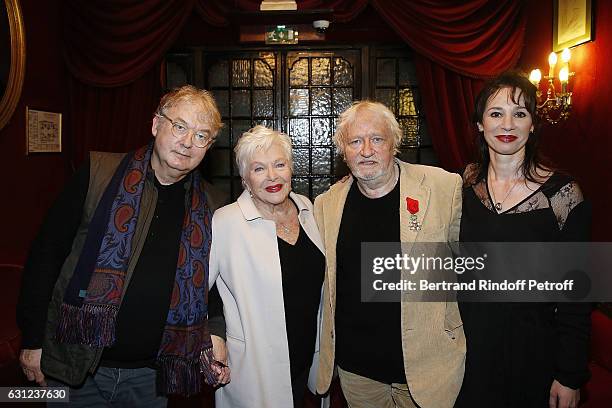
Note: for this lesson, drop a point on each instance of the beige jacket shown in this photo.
(432, 332)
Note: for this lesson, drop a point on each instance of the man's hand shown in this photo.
(30, 363)
(220, 360)
(562, 396)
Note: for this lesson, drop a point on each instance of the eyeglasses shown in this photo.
(180, 129)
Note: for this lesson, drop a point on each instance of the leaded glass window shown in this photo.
(301, 92)
(320, 87)
(245, 88)
(396, 86)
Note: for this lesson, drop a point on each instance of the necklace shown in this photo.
(284, 228)
(498, 204)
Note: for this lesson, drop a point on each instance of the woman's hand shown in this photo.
(562, 396)
(219, 364)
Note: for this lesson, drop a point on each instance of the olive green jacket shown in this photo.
(70, 363)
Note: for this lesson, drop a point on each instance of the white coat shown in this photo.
(245, 264)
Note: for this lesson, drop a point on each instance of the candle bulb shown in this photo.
(563, 78)
(565, 57)
(535, 76)
(552, 61)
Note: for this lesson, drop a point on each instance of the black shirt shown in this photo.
(302, 270)
(368, 335)
(144, 309)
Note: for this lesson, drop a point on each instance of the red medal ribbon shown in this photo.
(413, 205)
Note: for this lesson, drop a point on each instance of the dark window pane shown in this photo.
(407, 73)
(320, 71)
(221, 184)
(221, 97)
(300, 162)
(298, 102)
(263, 103)
(425, 139)
(241, 73)
(385, 72)
(298, 130)
(409, 155)
(238, 128)
(217, 74)
(176, 75)
(319, 186)
(263, 74)
(321, 161)
(218, 162)
(223, 136)
(343, 98)
(429, 156)
(387, 98)
(241, 103)
(238, 187)
(298, 73)
(321, 132)
(321, 101)
(343, 72)
(300, 185)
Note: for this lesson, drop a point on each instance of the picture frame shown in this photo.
(43, 131)
(572, 23)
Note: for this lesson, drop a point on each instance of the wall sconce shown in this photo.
(557, 104)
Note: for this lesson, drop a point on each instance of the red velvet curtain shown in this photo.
(448, 100)
(458, 43)
(111, 43)
(115, 119)
(215, 12)
(113, 50)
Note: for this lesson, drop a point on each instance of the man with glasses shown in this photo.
(114, 294)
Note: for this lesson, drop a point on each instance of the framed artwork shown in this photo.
(43, 131)
(572, 23)
(12, 61)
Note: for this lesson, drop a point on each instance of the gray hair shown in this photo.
(260, 137)
(349, 116)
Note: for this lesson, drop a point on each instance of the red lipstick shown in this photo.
(506, 138)
(274, 189)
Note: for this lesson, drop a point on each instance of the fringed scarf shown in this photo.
(91, 303)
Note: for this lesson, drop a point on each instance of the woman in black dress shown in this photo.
(520, 354)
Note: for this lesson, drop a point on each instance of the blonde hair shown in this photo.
(196, 96)
(349, 116)
(260, 137)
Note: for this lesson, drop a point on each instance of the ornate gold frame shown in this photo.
(18, 55)
(562, 38)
